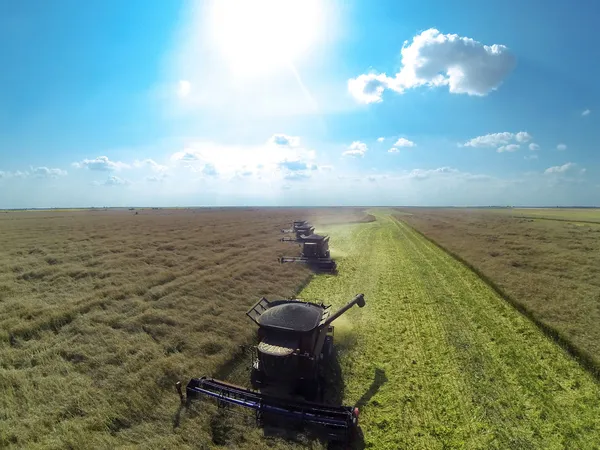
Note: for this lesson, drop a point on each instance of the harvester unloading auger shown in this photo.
(295, 345)
(315, 252)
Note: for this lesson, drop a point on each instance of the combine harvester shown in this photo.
(300, 228)
(295, 345)
(301, 234)
(315, 253)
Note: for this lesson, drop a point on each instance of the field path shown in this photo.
(437, 359)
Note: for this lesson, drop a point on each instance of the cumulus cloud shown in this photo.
(285, 140)
(393, 150)
(380, 139)
(45, 172)
(159, 178)
(508, 148)
(113, 180)
(560, 169)
(533, 147)
(272, 159)
(522, 136)
(101, 163)
(434, 59)
(357, 148)
(17, 174)
(490, 140)
(561, 147)
(153, 165)
(503, 142)
(209, 170)
(402, 142)
(186, 155)
(586, 112)
(296, 176)
(422, 174)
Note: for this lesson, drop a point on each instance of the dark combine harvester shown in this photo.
(300, 227)
(295, 343)
(315, 252)
(301, 234)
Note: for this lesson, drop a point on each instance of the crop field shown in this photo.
(102, 312)
(549, 268)
(437, 359)
(566, 214)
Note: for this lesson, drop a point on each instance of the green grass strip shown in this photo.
(437, 359)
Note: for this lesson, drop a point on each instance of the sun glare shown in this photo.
(258, 36)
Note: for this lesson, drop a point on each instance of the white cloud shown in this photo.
(369, 88)
(582, 171)
(45, 172)
(285, 140)
(530, 157)
(508, 148)
(533, 147)
(186, 155)
(522, 136)
(380, 139)
(490, 140)
(101, 163)
(561, 147)
(560, 169)
(184, 88)
(209, 170)
(422, 174)
(113, 180)
(17, 174)
(586, 112)
(357, 148)
(326, 168)
(296, 176)
(275, 158)
(503, 142)
(153, 165)
(393, 150)
(433, 59)
(159, 178)
(402, 142)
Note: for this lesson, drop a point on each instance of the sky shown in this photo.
(299, 102)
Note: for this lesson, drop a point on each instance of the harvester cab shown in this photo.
(315, 252)
(295, 343)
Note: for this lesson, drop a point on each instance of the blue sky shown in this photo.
(276, 102)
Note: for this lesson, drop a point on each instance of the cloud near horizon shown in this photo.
(101, 163)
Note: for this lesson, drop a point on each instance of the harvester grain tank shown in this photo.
(295, 343)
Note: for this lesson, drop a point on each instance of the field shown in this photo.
(549, 268)
(437, 359)
(566, 214)
(102, 312)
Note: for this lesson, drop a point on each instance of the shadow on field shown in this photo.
(379, 380)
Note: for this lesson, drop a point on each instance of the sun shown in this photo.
(259, 36)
